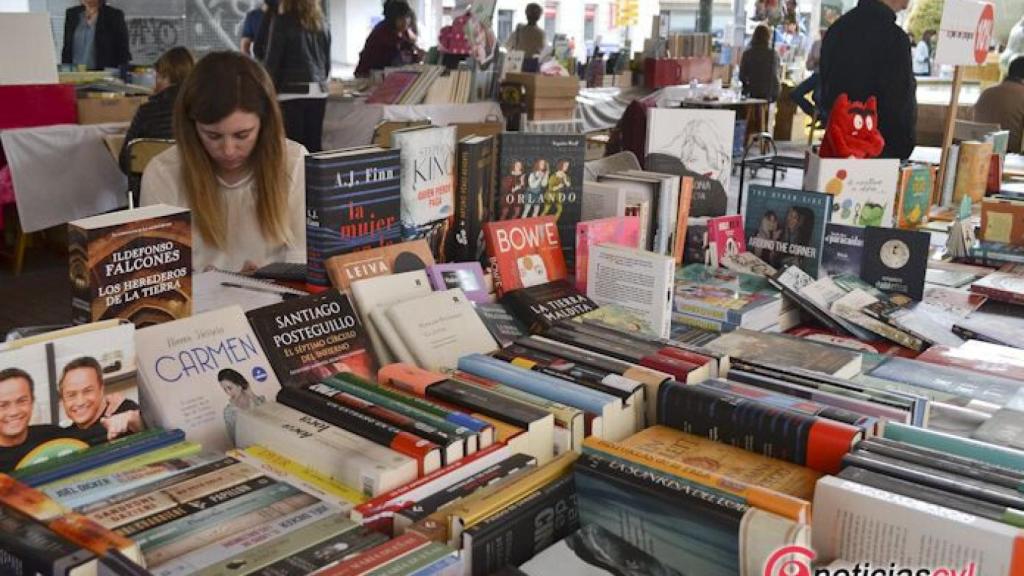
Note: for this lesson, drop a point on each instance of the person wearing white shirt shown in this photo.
(233, 168)
(923, 55)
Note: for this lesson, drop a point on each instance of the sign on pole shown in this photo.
(965, 33)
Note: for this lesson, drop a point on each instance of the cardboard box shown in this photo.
(558, 114)
(551, 103)
(103, 110)
(661, 72)
(540, 86)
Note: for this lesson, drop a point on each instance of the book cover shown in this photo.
(542, 175)
(594, 551)
(505, 327)
(782, 350)
(696, 246)
(428, 182)
(30, 548)
(639, 281)
(721, 294)
(863, 190)
(1002, 221)
(915, 195)
(68, 393)
(524, 252)
(308, 339)
(469, 276)
(353, 202)
(474, 198)
(394, 86)
(697, 144)
(372, 296)
(620, 231)
(439, 328)
(345, 269)
(540, 307)
(787, 227)
(895, 260)
(641, 197)
(948, 383)
(725, 236)
(980, 356)
(972, 168)
(198, 374)
(667, 190)
(135, 264)
(843, 251)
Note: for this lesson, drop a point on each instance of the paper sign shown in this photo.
(27, 54)
(965, 33)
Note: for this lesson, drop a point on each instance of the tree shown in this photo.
(926, 15)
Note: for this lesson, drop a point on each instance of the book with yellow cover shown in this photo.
(304, 477)
(691, 470)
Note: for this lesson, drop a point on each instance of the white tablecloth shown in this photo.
(63, 173)
(351, 122)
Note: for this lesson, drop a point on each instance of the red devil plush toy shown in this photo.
(852, 130)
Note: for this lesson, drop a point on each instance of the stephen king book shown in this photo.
(353, 199)
(787, 227)
(524, 252)
(308, 339)
(542, 175)
(428, 184)
(474, 198)
(135, 264)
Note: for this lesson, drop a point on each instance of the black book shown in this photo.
(117, 564)
(28, 548)
(523, 529)
(620, 387)
(967, 467)
(843, 250)
(474, 198)
(541, 307)
(311, 338)
(490, 404)
(334, 549)
(625, 351)
(542, 174)
(505, 327)
(895, 260)
(353, 202)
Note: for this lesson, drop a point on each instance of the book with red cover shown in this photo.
(725, 236)
(524, 252)
(1004, 285)
(394, 86)
(620, 231)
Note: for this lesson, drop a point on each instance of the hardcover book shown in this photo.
(724, 295)
(469, 276)
(524, 252)
(915, 195)
(620, 231)
(439, 328)
(474, 198)
(308, 339)
(542, 174)
(863, 190)
(725, 237)
(135, 264)
(843, 250)
(541, 307)
(895, 260)
(787, 227)
(345, 269)
(504, 327)
(428, 183)
(636, 280)
(353, 202)
(200, 373)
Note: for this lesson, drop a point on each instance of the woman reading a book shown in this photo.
(232, 166)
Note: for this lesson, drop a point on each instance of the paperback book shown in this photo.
(787, 227)
(474, 198)
(524, 252)
(345, 269)
(620, 231)
(428, 185)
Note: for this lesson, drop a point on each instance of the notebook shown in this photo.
(216, 289)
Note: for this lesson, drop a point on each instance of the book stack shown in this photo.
(406, 85)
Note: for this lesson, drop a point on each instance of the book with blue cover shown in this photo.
(786, 227)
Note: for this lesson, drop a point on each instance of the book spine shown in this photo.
(364, 425)
(29, 549)
(460, 243)
(486, 403)
(323, 554)
(83, 287)
(959, 446)
(997, 294)
(377, 556)
(306, 479)
(414, 561)
(78, 494)
(91, 536)
(49, 465)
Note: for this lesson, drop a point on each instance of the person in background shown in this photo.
(759, 67)
(529, 37)
(95, 36)
(259, 43)
(865, 53)
(392, 41)
(250, 28)
(923, 54)
(299, 63)
(809, 84)
(1003, 104)
(153, 118)
(232, 166)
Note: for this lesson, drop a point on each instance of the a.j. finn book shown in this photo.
(135, 265)
(787, 227)
(308, 339)
(541, 175)
(524, 252)
(200, 372)
(353, 198)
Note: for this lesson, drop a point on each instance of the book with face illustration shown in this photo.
(786, 227)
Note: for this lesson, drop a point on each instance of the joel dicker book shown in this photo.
(787, 227)
(542, 175)
(134, 264)
(353, 199)
(308, 339)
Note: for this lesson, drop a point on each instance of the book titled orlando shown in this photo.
(308, 339)
(135, 264)
(542, 175)
(787, 227)
(353, 200)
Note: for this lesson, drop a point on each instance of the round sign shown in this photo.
(983, 34)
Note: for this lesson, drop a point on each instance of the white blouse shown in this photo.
(162, 184)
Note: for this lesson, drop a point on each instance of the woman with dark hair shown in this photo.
(299, 62)
(759, 67)
(95, 36)
(922, 54)
(392, 41)
(232, 166)
(240, 397)
(529, 37)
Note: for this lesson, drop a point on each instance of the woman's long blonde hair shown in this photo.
(220, 84)
(307, 12)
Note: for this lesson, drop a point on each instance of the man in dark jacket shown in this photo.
(95, 35)
(866, 54)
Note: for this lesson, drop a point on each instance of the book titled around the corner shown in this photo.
(308, 339)
(787, 227)
(524, 252)
(200, 372)
(134, 264)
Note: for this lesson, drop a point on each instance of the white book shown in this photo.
(638, 281)
(348, 458)
(428, 168)
(383, 291)
(864, 190)
(440, 328)
(390, 338)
